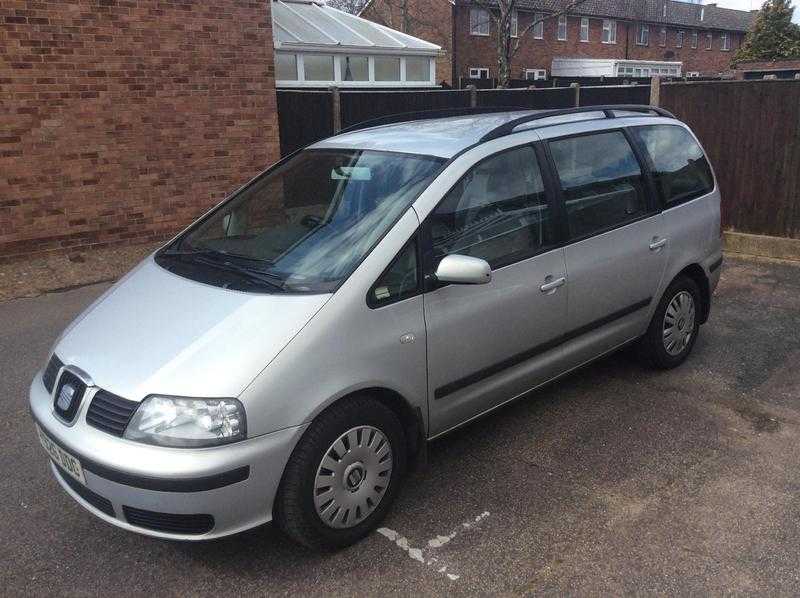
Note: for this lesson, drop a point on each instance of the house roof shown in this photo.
(709, 16)
(312, 25)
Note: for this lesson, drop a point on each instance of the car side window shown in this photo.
(680, 169)
(602, 182)
(399, 281)
(497, 212)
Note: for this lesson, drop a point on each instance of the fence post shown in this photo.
(336, 109)
(655, 91)
(473, 96)
(577, 87)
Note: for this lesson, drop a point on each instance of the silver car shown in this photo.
(289, 355)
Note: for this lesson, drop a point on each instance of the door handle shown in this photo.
(657, 244)
(552, 285)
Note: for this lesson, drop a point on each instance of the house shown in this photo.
(319, 46)
(655, 33)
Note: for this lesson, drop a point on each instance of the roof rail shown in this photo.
(607, 109)
(427, 115)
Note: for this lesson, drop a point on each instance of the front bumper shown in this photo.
(181, 494)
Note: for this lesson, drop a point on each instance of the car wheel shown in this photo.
(675, 324)
(343, 475)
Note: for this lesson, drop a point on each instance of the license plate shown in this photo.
(61, 457)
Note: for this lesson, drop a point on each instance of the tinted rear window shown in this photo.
(680, 168)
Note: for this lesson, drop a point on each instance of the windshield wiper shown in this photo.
(222, 261)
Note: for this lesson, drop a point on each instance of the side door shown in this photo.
(615, 250)
(488, 343)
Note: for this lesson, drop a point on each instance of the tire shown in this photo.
(664, 350)
(359, 469)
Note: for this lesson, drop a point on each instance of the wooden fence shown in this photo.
(751, 131)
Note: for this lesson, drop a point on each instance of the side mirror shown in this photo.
(463, 269)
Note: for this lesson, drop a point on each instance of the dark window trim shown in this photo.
(426, 242)
(373, 303)
(651, 210)
(536, 350)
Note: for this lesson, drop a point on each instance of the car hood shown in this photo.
(157, 332)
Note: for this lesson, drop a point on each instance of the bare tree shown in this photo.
(351, 6)
(503, 12)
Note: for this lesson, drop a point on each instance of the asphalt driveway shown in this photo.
(616, 480)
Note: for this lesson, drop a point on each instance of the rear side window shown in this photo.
(602, 182)
(680, 168)
(497, 212)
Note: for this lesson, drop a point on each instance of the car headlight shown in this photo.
(186, 422)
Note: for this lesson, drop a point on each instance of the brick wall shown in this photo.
(425, 19)
(122, 120)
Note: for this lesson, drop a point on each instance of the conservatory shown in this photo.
(613, 67)
(319, 46)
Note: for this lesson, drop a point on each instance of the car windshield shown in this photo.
(305, 225)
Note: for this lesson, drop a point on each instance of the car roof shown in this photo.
(442, 137)
(446, 136)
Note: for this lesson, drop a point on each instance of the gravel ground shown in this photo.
(615, 480)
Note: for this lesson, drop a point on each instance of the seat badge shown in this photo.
(65, 397)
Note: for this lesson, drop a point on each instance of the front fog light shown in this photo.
(177, 421)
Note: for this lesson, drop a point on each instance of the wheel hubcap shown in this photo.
(679, 323)
(352, 477)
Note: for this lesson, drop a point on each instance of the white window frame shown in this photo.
(514, 23)
(562, 22)
(693, 74)
(538, 74)
(609, 31)
(584, 29)
(339, 70)
(643, 35)
(475, 72)
(663, 38)
(694, 40)
(709, 40)
(679, 39)
(538, 29)
(477, 18)
(726, 42)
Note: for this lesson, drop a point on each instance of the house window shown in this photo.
(584, 29)
(535, 74)
(538, 29)
(644, 35)
(694, 40)
(514, 23)
(285, 67)
(478, 72)
(418, 68)
(609, 31)
(663, 41)
(679, 39)
(709, 40)
(318, 67)
(387, 68)
(478, 21)
(726, 44)
(355, 68)
(562, 28)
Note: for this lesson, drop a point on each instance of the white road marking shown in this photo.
(418, 554)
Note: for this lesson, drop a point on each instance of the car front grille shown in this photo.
(169, 522)
(110, 413)
(98, 502)
(51, 373)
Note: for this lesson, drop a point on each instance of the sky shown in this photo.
(752, 5)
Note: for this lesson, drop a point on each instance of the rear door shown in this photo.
(488, 343)
(615, 250)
